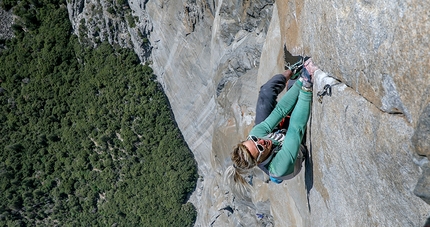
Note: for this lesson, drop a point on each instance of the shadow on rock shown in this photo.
(309, 174)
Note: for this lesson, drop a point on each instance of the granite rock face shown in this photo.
(198, 57)
(421, 135)
(119, 22)
(368, 141)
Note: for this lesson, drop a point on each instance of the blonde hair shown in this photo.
(242, 163)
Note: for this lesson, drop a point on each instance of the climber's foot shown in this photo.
(307, 80)
(307, 74)
(309, 65)
(295, 68)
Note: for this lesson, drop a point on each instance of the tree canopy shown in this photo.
(87, 135)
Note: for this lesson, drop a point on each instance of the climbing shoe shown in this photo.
(309, 65)
(307, 75)
(306, 79)
(297, 67)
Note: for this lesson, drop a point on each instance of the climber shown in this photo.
(275, 150)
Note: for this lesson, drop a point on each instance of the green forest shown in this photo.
(87, 134)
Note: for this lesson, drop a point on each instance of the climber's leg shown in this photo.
(267, 97)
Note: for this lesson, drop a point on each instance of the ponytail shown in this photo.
(242, 163)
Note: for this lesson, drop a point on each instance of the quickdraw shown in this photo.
(326, 91)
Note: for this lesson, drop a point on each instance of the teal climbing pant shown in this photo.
(299, 102)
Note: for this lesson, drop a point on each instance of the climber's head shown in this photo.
(250, 152)
(242, 157)
(258, 148)
(245, 156)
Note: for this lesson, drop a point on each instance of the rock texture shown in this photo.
(369, 141)
(119, 22)
(6, 20)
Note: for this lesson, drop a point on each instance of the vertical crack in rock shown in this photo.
(289, 58)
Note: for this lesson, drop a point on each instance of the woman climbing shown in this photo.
(272, 149)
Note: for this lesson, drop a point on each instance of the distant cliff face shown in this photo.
(369, 141)
(120, 22)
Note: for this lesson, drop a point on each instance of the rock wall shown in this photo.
(119, 22)
(369, 141)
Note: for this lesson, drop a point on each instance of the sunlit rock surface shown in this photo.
(369, 140)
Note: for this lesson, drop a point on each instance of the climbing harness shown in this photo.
(326, 91)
